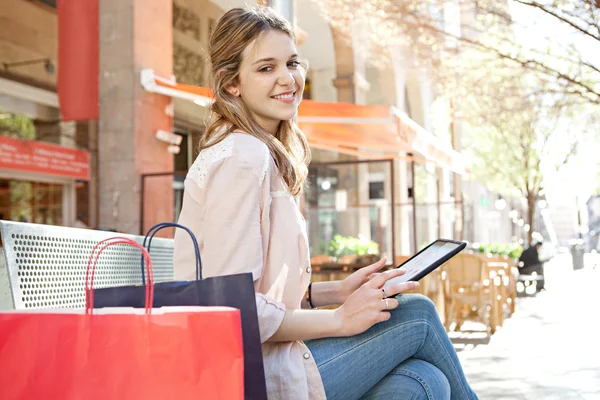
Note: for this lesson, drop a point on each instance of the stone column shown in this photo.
(459, 229)
(447, 213)
(67, 137)
(402, 222)
(351, 87)
(134, 34)
(287, 9)
(350, 80)
(68, 133)
(403, 216)
(364, 213)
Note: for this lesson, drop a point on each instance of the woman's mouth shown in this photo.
(287, 97)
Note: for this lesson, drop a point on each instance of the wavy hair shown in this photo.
(234, 32)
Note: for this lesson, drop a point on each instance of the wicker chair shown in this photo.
(469, 292)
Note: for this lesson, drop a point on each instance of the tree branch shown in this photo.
(529, 64)
(559, 17)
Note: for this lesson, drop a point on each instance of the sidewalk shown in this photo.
(549, 349)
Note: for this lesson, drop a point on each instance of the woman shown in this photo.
(239, 202)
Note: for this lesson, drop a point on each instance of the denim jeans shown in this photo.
(408, 357)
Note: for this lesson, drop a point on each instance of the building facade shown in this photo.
(143, 141)
(44, 162)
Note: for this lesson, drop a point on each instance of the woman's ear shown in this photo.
(231, 88)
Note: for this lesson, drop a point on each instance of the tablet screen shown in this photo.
(424, 260)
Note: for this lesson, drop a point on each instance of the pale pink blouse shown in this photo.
(246, 220)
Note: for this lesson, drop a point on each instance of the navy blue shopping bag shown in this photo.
(228, 290)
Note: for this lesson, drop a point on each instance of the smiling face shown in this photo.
(271, 79)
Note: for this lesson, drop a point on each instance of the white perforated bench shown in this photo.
(43, 266)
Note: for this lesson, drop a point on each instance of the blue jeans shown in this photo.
(408, 357)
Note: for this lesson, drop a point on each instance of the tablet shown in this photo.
(428, 259)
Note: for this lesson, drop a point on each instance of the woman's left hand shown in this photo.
(358, 278)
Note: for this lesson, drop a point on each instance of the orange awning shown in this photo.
(360, 130)
(370, 131)
(156, 84)
(426, 144)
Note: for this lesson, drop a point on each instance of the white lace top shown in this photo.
(246, 220)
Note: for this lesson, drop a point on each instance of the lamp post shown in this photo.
(48, 65)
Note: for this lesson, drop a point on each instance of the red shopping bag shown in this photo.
(122, 353)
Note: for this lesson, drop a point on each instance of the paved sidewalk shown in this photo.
(550, 348)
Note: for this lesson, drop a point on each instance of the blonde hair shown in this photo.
(234, 32)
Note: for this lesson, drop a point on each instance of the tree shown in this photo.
(437, 29)
(515, 144)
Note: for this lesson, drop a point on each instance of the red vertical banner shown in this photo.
(78, 59)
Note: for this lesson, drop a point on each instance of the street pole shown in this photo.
(459, 207)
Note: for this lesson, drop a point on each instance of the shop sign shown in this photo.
(43, 158)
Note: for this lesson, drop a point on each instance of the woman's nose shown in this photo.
(286, 79)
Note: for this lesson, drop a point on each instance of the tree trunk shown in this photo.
(531, 204)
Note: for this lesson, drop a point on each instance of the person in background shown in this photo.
(529, 262)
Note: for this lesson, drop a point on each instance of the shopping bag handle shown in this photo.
(154, 230)
(91, 269)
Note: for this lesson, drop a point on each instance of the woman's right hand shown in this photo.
(366, 306)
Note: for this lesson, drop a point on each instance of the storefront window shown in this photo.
(37, 202)
(188, 151)
(348, 204)
(20, 126)
(426, 188)
(17, 126)
(24, 198)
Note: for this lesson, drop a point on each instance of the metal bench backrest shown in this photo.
(44, 266)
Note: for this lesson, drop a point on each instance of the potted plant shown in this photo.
(350, 250)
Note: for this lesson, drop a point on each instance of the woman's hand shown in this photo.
(366, 306)
(352, 282)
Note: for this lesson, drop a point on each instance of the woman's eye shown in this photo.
(265, 69)
(294, 64)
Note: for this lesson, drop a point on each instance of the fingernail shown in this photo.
(417, 284)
